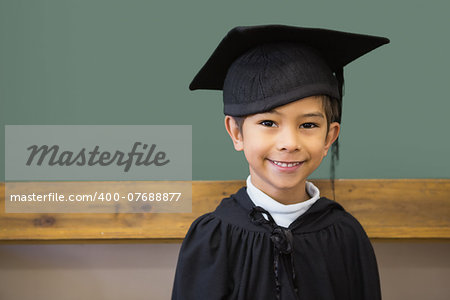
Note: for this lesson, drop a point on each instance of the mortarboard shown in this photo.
(262, 67)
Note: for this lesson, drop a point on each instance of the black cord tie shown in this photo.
(257, 216)
(282, 240)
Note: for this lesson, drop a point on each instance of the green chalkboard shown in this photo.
(130, 62)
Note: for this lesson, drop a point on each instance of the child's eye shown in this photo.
(308, 125)
(267, 123)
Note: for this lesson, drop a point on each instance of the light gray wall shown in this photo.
(409, 270)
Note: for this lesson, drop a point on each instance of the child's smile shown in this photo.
(285, 145)
(286, 165)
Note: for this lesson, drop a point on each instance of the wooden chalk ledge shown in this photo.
(387, 209)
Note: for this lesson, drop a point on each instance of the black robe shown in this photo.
(235, 253)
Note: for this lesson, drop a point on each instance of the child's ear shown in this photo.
(234, 132)
(333, 133)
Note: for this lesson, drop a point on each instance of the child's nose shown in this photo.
(289, 140)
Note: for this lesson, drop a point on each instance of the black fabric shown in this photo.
(274, 74)
(233, 253)
(262, 67)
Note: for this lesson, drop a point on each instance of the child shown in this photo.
(277, 238)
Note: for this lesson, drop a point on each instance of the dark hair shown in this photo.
(331, 107)
(333, 111)
(239, 121)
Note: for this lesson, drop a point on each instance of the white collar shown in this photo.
(283, 214)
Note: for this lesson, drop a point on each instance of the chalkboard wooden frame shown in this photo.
(387, 209)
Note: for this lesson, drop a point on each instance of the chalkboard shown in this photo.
(130, 63)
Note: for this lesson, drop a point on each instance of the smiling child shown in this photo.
(277, 238)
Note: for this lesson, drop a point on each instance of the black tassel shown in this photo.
(335, 147)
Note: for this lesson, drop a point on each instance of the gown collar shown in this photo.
(283, 215)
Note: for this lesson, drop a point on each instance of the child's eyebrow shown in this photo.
(314, 114)
(311, 114)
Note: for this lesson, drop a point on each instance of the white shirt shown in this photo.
(282, 214)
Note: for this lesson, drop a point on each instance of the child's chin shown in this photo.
(286, 186)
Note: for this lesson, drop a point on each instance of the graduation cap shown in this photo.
(262, 67)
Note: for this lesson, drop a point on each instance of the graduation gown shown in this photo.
(235, 253)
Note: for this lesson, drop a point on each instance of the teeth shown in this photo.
(284, 165)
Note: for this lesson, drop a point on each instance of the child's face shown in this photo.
(284, 146)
